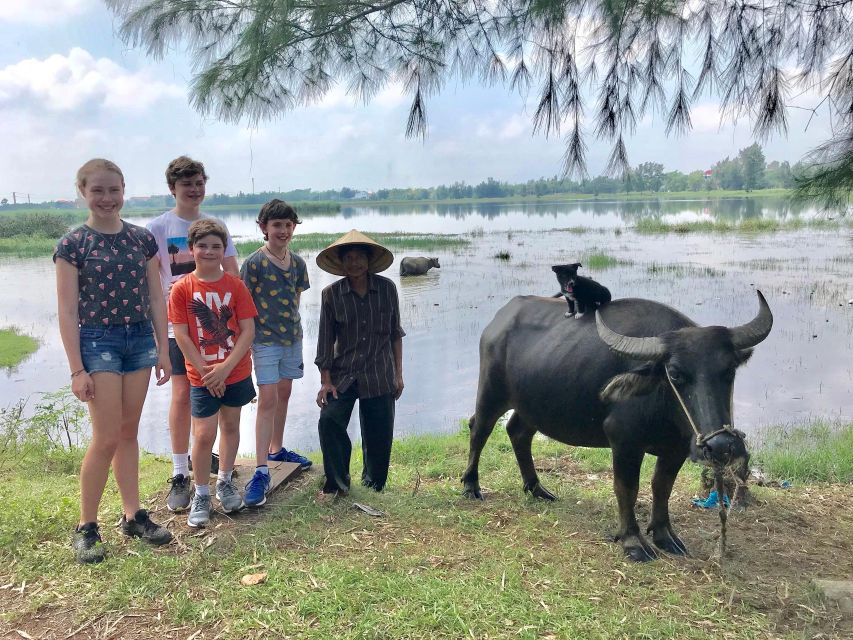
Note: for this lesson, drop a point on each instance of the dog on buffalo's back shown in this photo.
(581, 294)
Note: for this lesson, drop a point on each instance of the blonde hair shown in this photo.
(96, 164)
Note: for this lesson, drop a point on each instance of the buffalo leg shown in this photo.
(481, 427)
(663, 536)
(627, 460)
(521, 436)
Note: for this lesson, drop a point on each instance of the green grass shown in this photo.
(15, 346)
(435, 566)
(27, 246)
(599, 260)
(395, 241)
(750, 225)
(818, 452)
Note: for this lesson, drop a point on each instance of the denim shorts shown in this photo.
(274, 362)
(179, 363)
(118, 348)
(203, 404)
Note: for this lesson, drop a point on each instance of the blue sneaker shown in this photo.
(283, 455)
(257, 489)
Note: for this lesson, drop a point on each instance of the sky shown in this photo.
(70, 90)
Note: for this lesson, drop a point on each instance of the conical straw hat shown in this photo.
(329, 259)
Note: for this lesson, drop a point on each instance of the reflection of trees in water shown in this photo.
(729, 209)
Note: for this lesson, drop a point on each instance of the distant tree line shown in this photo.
(747, 171)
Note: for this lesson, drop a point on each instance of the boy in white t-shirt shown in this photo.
(187, 180)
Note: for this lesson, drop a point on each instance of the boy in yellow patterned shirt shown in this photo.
(276, 277)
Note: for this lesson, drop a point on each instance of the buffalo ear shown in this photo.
(628, 385)
(743, 356)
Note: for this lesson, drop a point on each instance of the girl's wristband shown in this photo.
(78, 372)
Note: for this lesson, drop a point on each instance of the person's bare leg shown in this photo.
(204, 435)
(283, 389)
(179, 415)
(267, 400)
(229, 437)
(126, 458)
(105, 412)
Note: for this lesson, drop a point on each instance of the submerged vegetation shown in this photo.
(599, 260)
(394, 240)
(654, 225)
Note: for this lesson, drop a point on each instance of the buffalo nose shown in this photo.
(725, 447)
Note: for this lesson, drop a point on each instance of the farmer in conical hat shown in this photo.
(360, 357)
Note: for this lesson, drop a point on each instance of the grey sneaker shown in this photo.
(199, 511)
(180, 494)
(229, 496)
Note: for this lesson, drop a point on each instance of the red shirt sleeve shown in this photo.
(178, 313)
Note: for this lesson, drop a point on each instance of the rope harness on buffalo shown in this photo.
(701, 440)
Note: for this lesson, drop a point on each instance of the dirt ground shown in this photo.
(777, 547)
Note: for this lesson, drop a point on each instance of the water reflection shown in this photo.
(803, 370)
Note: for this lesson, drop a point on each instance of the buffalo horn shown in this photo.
(750, 334)
(640, 348)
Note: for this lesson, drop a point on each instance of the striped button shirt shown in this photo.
(356, 335)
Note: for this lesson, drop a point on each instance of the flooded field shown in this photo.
(804, 370)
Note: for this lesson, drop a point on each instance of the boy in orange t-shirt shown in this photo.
(213, 313)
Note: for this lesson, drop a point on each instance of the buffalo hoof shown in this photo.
(666, 540)
(538, 491)
(473, 493)
(637, 549)
(673, 545)
(640, 554)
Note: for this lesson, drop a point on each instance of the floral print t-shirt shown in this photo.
(112, 276)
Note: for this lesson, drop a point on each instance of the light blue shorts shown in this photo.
(274, 362)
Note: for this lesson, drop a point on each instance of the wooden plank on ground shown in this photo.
(280, 472)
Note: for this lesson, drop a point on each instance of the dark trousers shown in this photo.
(376, 416)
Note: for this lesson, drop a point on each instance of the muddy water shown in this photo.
(801, 372)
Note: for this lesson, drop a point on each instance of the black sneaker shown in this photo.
(180, 494)
(142, 527)
(214, 463)
(87, 544)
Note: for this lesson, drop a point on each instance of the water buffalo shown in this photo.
(417, 266)
(639, 378)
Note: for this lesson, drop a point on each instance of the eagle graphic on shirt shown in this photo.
(215, 324)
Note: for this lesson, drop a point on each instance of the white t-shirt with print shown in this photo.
(176, 260)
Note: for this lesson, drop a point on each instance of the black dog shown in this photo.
(581, 293)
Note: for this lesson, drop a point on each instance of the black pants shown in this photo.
(376, 416)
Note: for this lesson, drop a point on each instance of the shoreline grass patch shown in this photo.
(817, 452)
(15, 346)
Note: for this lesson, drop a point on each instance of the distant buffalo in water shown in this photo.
(417, 266)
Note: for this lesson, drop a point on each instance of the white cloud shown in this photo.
(42, 11)
(67, 83)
